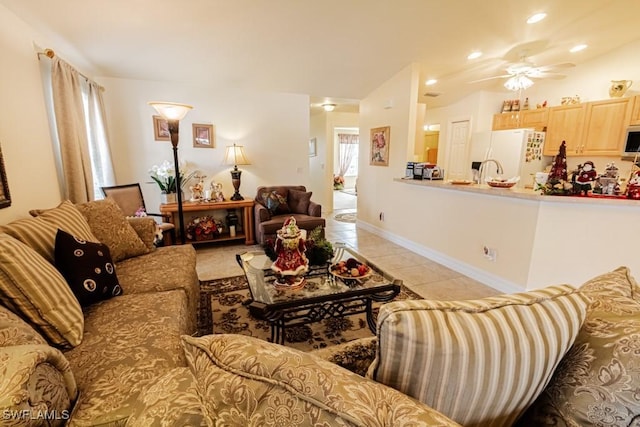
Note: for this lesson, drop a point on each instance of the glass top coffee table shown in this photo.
(322, 296)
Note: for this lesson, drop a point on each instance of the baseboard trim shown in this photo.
(497, 283)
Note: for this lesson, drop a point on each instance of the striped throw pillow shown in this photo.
(480, 362)
(34, 289)
(40, 232)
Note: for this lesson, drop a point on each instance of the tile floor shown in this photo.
(425, 277)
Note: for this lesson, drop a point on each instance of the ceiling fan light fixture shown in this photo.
(536, 18)
(578, 48)
(518, 82)
(475, 55)
(328, 107)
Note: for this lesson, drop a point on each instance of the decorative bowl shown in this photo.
(347, 278)
(501, 184)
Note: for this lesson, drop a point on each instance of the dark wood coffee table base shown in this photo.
(296, 313)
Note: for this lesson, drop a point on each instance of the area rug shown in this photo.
(346, 217)
(222, 311)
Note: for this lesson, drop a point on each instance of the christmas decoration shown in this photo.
(583, 179)
(557, 183)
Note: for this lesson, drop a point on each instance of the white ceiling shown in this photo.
(333, 50)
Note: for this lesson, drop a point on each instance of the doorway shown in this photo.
(458, 166)
(345, 193)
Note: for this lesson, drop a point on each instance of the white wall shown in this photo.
(376, 191)
(24, 132)
(272, 127)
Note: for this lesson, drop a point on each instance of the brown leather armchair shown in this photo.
(275, 204)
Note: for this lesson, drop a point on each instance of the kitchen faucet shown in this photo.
(482, 168)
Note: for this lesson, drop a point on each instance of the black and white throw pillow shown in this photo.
(87, 268)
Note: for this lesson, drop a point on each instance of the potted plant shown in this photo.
(338, 182)
(164, 175)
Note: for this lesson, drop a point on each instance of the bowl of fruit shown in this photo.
(350, 271)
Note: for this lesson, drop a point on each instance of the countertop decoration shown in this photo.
(558, 184)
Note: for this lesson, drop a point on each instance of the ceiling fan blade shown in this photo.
(553, 67)
(543, 75)
(504, 76)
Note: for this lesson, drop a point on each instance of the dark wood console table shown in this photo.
(246, 233)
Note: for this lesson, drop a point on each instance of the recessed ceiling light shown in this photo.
(578, 48)
(329, 107)
(474, 55)
(536, 18)
(431, 82)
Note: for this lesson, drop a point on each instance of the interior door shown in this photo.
(458, 167)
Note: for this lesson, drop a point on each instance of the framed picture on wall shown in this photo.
(203, 136)
(160, 129)
(313, 147)
(5, 200)
(380, 139)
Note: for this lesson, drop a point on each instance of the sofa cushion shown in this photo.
(299, 201)
(598, 381)
(170, 400)
(15, 331)
(304, 222)
(87, 268)
(110, 226)
(250, 382)
(480, 362)
(166, 268)
(129, 342)
(35, 379)
(40, 232)
(33, 288)
(147, 229)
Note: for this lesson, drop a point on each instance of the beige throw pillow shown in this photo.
(32, 287)
(480, 362)
(244, 381)
(40, 232)
(111, 227)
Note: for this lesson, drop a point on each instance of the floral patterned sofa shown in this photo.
(65, 364)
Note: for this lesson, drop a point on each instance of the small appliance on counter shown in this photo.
(426, 171)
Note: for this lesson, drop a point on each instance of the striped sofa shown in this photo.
(63, 364)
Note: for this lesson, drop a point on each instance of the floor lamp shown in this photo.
(173, 113)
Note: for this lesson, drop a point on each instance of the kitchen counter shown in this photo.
(510, 239)
(517, 193)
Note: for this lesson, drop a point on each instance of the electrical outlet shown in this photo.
(489, 253)
(381, 216)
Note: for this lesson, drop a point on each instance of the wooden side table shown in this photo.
(170, 210)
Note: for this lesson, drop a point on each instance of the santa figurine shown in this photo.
(633, 186)
(585, 177)
(291, 264)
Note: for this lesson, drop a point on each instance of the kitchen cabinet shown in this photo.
(605, 126)
(635, 112)
(502, 121)
(565, 123)
(536, 119)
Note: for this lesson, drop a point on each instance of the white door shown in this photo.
(459, 167)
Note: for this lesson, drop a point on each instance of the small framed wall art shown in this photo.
(5, 200)
(380, 139)
(204, 136)
(160, 129)
(313, 147)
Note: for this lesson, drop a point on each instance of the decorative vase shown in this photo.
(619, 87)
(167, 198)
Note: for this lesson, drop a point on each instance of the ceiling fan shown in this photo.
(519, 74)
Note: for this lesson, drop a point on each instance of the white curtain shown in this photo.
(102, 167)
(348, 148)
(78, 119)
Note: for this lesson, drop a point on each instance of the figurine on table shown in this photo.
(586, 175)
(633, 186)
(292, 263)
